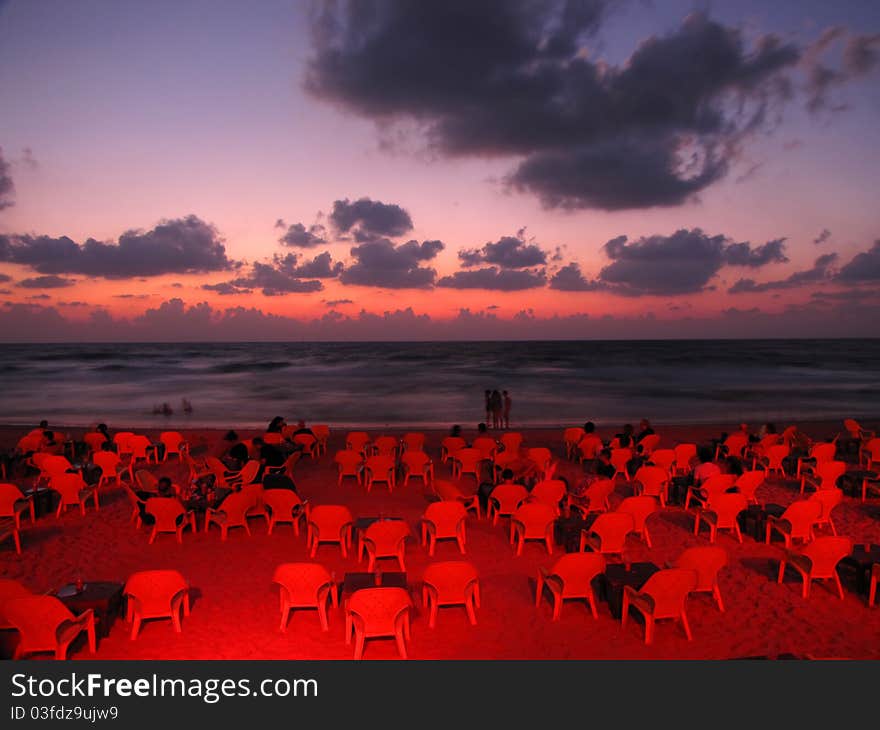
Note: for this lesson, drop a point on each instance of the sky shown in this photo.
(206, 169)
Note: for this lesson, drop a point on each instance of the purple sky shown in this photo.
(391, 170)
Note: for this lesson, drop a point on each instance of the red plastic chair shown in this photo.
(384, 539)
(110, 465)
(619, 460)
(378, 613)
(329, 523)
(380, 468)
(872, 590)
(322, 433)
(652, 481)
(505, 499)
(349, 462)
(140, 449)
(607, 534)
(571, 437)
(74, 491)
(828, 499)
(712, 487)
(596, 497)
(416, 464)
(232, 512)
(167, 512)
(511, 441)
(284, 507)
(542, 458)
(451, 583)
(649, 443)
(824, 476)
(444, 521)
(818, 561)
(871, 454)
(772, 459)
(305, 585)
(175, 444)
(486, 445)
(45, 624)
(386, 446)
(136, 504)
(532, 521)
(449, 446)
(819, 454)
(468, 461)
(413, 441)
(639, 508)
(357, 441)
(684, 457)
(796, 523)
(13, 504)
(121, 439)
(155, 594)
(734, 445)
(551, 492)
(747, 484)
(95, 441)
(721, 513)
(449, 492)
(309, 444)
(663, 459)
(571, 577)
(663, 596)
(707, 562)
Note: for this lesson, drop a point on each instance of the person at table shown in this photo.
(165, 490)
(624, 439)
(52, 443)
(644, 430)
(269, 455)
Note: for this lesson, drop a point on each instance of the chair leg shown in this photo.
(684, 623)
(322, 616)
(872, 592)
(153, 535)
(624, 611)
(469, 607)
(646, 536)
(401, 644)
(781, 572)
(591, 599)
(90, 633)
(175, 619)
(539, 590)
(432, 616)
(135, 626)
(839, 587)
(649, 629)
(716, 592)
(358, 644)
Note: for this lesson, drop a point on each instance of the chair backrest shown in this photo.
(735, 444)
(718, 484)
(415, 460)
(349, 460)
(379, 608)
(550, 492)
(380, 467)
(577, 569)
(507, 497)
(306, 440)
(535, 518)
(172, 441)
(357, 440)
(823, 452)
(386, 445)
(235, 507)
(776, 453)
(121, 440)
(166, 510)
(511, 441)
(94, 440)
(273, 438)
(620, 458)
(872, 447)
(649, 443)
(321, 431)
(829, 499)
(598, 493)
(727, 506)
(281, 501)
(9, 495)
(414, 441)
(663, 459)
(387, 535)
(684, 453)
(447, 491)
(829, 472)
(330, 519)
(106, 460)
(748, 482)
(68, 486)
(486, 445)
(452, 579)
(31, 442)
(639, 508)
(540, 455)
(37, 618)
(612, 529)
(825, 553)
(445, 516)
(851, 425)
(469, 458)
(653, 480)
(154, 589)
(590, 446)
(55, 464)
(302, 581)
(573, 435)
(10, 588)
(146, 480)
(706, 561)
(138, 445)
(669, 589)
(452, 444)
(249, 472)
(802, 515)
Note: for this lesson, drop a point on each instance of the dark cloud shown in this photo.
(320, 267)
(864, 267)
(860, 56)
(510, 79)
(74, 304)
(822, 237)
(7, 188)
(300, 236)
(570, 278)
(821, 271)
(38, 296)
(46, 282)
(496, 279)
(274, 280)
(226, 288)
(381, 263)
(4, 278)
(131, 296)
(507, 252)
(181, 246)
(682, 263)
(370, 219)
(338, 302)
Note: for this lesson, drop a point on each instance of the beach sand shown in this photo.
(235, 612)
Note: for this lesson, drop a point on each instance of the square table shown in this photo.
(567, 531)
(103, 597)
(753, 521)
(45, 500)
(609, 585)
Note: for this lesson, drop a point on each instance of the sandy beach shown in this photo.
(235, 608)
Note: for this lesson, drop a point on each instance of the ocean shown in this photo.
(436, 384)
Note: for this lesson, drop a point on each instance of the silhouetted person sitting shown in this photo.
(604, 467)
(706, 468)
(278, 481)
(302, 428)
(486, 488)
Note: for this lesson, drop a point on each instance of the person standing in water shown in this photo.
(506, 412)
(497, 406)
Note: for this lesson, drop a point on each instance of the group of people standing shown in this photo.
(498, 408)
